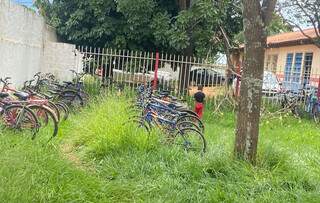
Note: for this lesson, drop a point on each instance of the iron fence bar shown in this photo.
(135, 70)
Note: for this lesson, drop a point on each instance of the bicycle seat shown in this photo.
(21, 95)
(3, 95)
(67, 83)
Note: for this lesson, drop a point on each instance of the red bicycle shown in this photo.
(17, 116)
(41, 107)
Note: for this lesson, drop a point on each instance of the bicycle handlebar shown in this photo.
(37, 74)
(5, 80)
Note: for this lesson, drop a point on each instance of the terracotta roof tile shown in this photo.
(291, 36)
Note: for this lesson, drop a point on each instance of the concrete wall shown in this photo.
(28, 45)
(60, 58)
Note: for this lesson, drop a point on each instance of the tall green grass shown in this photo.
(121, 164)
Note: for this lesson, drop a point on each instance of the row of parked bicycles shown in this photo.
(160, 111)
(41, 104)
(303, 103)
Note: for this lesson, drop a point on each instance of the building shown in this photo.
(292, 57)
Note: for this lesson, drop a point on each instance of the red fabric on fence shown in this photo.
(155, 79)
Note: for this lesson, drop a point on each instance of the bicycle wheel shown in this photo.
(297, 110)
(188, 111)
(47, 118)
(140, 123)
(316, 114)
(193, 119)
(55, 109)
(85, 96)
(191, 140)
(21, 118)
(71, 98)
(64, 110)
(188, 124)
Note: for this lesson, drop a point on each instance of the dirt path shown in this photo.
(68, 152)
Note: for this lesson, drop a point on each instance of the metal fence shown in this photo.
(182, 75)
(175, 73)
(301, 84)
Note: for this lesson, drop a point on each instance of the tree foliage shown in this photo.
(144, 24)
(276, 26)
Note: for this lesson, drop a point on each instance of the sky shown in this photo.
(24, 2)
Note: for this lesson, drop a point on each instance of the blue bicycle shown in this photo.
(185, 134)
(313, 105)
(180, 127)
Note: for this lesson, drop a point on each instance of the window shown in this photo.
(287, 71)
(272, 61)
(297, 68)
(307, 68)
(295, 74)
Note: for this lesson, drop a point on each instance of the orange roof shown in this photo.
(291, 37)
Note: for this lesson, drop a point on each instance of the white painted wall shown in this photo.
(60, 58)
(28, 45)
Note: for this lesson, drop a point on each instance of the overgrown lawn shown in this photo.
(100, 157)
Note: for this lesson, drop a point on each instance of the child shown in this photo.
(199, 100)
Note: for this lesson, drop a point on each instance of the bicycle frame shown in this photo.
(31, 99)
(15, 119)
(152, 114)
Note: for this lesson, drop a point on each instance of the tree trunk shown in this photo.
(251, 83)
(184, 73)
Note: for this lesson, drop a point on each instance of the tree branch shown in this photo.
(268, 7)
(296, 2)
(292, 23)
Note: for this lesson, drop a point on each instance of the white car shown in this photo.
(271, 85)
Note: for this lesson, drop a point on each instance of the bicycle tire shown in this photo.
(141, 123)
(188, 111)
(181, 135)
(316, 114)
(34, 127)
(69, 97)
(50, 114)
(63, 108)
(54, 107)
(188, 124)
(192, 119)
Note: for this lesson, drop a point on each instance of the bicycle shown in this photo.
(181, 128)
(313, 105)
(41, 107)
(17, 116)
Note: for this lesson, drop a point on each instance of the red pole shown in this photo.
(155, 79)
(318, 88)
